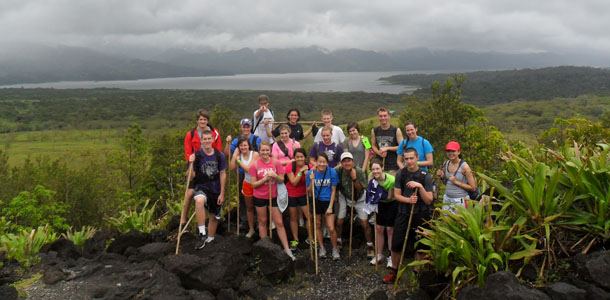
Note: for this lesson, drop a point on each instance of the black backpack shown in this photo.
(420, 177)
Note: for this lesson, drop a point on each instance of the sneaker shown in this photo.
(201, 239)
(339, 243)
(336, 255)
(389, 262)
(250, 234)
(289, 253)
(325, 233)
(380, 260)
(390, 278)
(294, 245)
(322, 252)
(308, 242)
(370, 251)
(209, 239)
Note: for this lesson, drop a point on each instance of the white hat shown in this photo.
(346, 155)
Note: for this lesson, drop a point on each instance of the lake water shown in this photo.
(307, 82)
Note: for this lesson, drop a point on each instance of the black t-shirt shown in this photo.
(387, 138)
(402, 177)
(296, 131)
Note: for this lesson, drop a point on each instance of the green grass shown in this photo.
(58, 143)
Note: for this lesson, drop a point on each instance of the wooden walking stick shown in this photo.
(186, 190)
(238, 191)
(376, 256)
(351, 225)
(309, 226)
(270, 218)
(228, 198)
(404, 245)
(315, 223)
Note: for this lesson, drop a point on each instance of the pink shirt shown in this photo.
(258, 170)
(290, 146)
(299, 189)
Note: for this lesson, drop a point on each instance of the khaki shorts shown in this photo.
(345, 204)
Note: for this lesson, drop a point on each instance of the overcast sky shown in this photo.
(484, 25)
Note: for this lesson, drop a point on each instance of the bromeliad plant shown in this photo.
(79, 237)
(25, 244)
(143, 220)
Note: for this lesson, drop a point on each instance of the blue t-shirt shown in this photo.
(234, 146)
(331, 179)
(207, 171)
(422, 146)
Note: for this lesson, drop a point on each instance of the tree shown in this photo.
(38, 208)
(444, 118)
(132, 160)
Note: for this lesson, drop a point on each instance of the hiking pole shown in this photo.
(404, 245)
(238, 191)
(315, 232)
(229, 198)
(188, 179)
(309, 227)
(351, 225)
(376, 256)
(270, 218)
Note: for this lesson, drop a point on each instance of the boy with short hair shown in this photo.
(338, 137)
(385, 139)
(210, 178)
(263, 119)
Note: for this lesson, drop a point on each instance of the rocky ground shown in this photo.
(138, 265)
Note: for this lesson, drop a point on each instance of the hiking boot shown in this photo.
(370, 251)
(336, 254)
(380, 260)
(294, 245)
(201, 239)
(322, 252)
(339, 243)
(289, 253)
(389, 262)
(250, 234)
(390, 278)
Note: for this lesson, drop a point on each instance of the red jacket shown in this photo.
(192, 142)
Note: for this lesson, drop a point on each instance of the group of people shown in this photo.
(385, 177)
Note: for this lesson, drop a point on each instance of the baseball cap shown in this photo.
(246, 121)
(453, 146)
(346, 155)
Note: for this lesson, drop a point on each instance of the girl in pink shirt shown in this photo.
(283, 150)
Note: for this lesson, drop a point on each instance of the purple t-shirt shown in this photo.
(207, 171)
(333, 151)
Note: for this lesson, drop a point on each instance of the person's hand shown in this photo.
(311, 176)
(352, 173)
(413, 198)
(383, 152)
(271, 174)
(229, 139)
(414, 184)
(329, 211)
(304, 168)
(192, 157)
(221, 199)
(266, 122)
(440, 173)
(452, 179)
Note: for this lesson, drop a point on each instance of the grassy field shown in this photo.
(58, 143)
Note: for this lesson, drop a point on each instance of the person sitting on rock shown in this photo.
(210, 178)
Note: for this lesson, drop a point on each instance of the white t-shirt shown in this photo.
(338, 136)
(260, 130)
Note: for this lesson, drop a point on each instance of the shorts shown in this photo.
(386, 213)
(258, 202)
(450, 203)
(321, 207)
(211, 201)
(297, 201)
(247, 189)
(400, 229)
(345, 203)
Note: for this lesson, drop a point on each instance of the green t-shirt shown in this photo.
(388, 184)
(345, 183)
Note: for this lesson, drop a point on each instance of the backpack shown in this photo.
(213, 130)
(473, 195)
(283, 148)
(253, 145)
(198, 155)
(420, 177)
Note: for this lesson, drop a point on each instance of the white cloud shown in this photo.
(508, 26)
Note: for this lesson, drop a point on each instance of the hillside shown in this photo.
(485, 88)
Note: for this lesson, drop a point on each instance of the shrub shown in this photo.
(143, 220)
(36, 208)
(79, 237)
(24, 245)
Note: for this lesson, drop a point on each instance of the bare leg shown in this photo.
(261, 215)
(213, 224)
(187, 205)
(200, 210)
(249, 212)
(304, 212)
(294, 222)
(367, 230)
(330, 222)
(390, 231)
(319, 230)
(380, 238)
(338, 227)
(279, 225)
